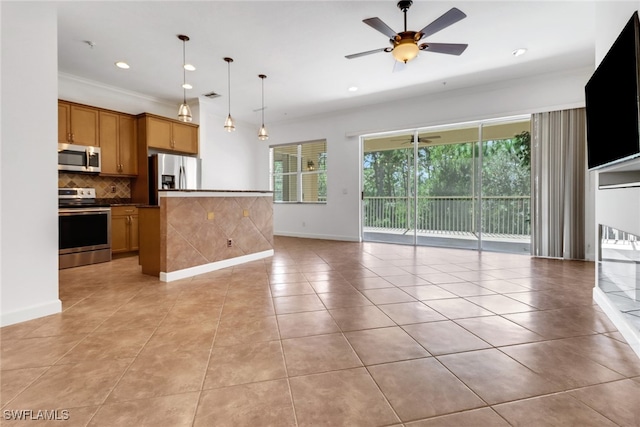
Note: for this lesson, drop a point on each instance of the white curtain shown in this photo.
(558, 171)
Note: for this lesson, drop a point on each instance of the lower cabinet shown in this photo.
(124, 229)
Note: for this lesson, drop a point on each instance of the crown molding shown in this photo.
(110, 88)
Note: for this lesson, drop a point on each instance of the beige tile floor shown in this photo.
(327, 333)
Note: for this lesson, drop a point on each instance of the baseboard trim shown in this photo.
(213, 266)
(628, 331)
(30, 313)
(317, 236)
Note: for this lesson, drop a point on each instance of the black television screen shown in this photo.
(611, 99)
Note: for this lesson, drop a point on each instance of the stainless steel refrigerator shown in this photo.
(172, 172)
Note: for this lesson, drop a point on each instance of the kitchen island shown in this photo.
(193, 232)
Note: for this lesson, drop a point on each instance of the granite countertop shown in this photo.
(217, 191)
(117, 201)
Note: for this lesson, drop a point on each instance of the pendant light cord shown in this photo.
(184, 73)
(229, 83)
(262, 78)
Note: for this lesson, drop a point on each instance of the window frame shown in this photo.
(300, 173)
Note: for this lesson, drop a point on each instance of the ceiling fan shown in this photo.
(405, 44)
(421, 140)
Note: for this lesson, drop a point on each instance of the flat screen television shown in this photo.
(611, 100)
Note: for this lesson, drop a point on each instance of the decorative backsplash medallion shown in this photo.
(104, 185)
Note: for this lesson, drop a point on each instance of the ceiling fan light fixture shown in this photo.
(405, 50)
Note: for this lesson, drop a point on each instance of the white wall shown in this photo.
(75, 89)
(340, 217)
(29, 220)
(229, 158)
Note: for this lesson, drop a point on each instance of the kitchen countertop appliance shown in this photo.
(172, 172)
(84, 228)
(79, 158)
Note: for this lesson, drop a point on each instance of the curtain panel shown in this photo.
(558, 172)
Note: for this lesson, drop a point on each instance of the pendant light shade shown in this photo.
(262, 133)
(184, 112)
(228, 123)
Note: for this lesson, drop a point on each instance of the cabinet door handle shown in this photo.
(69, 137)
(72, 137)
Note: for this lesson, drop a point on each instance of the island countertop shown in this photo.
(210, 193)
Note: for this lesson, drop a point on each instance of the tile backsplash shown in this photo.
(102, 184)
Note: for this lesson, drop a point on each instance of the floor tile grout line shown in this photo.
(206, 368)
(131, 363)
(599, 332)
(70, 349)
(570, 394)
(286, 370)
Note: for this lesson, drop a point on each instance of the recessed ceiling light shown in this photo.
(353, 89)
(189, 67)
(122, 64)
(187, 86)
(520, 51)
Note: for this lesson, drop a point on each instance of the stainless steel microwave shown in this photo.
(79, 158)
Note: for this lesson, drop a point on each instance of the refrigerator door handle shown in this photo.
(181, 178)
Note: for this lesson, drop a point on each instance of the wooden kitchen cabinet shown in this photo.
(118, 144)
(78, 124)
(170, 135)
(124, 229)
(185, 138)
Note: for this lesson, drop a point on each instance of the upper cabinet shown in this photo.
(78, 124)
(118, 144)
(169, 135)
(162, 134)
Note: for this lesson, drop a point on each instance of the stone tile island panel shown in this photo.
(200, 230)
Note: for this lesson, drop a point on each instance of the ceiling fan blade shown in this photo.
(369, 52)
(377, 24)
(448, 48)
(398, 66)
(448, 18)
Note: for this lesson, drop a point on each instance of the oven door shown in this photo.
(78, 158)
(84, 229)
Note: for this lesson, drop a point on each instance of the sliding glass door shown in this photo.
(389, 188)
(464, 186)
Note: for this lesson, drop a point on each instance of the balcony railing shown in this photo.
(507, 216)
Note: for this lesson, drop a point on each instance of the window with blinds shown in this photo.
(299, 172)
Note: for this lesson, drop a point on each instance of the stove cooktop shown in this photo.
(78, 198)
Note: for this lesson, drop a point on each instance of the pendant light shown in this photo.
(184, 112)
(262, 133)
(228, 124)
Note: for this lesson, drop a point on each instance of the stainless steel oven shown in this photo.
(84, 228)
